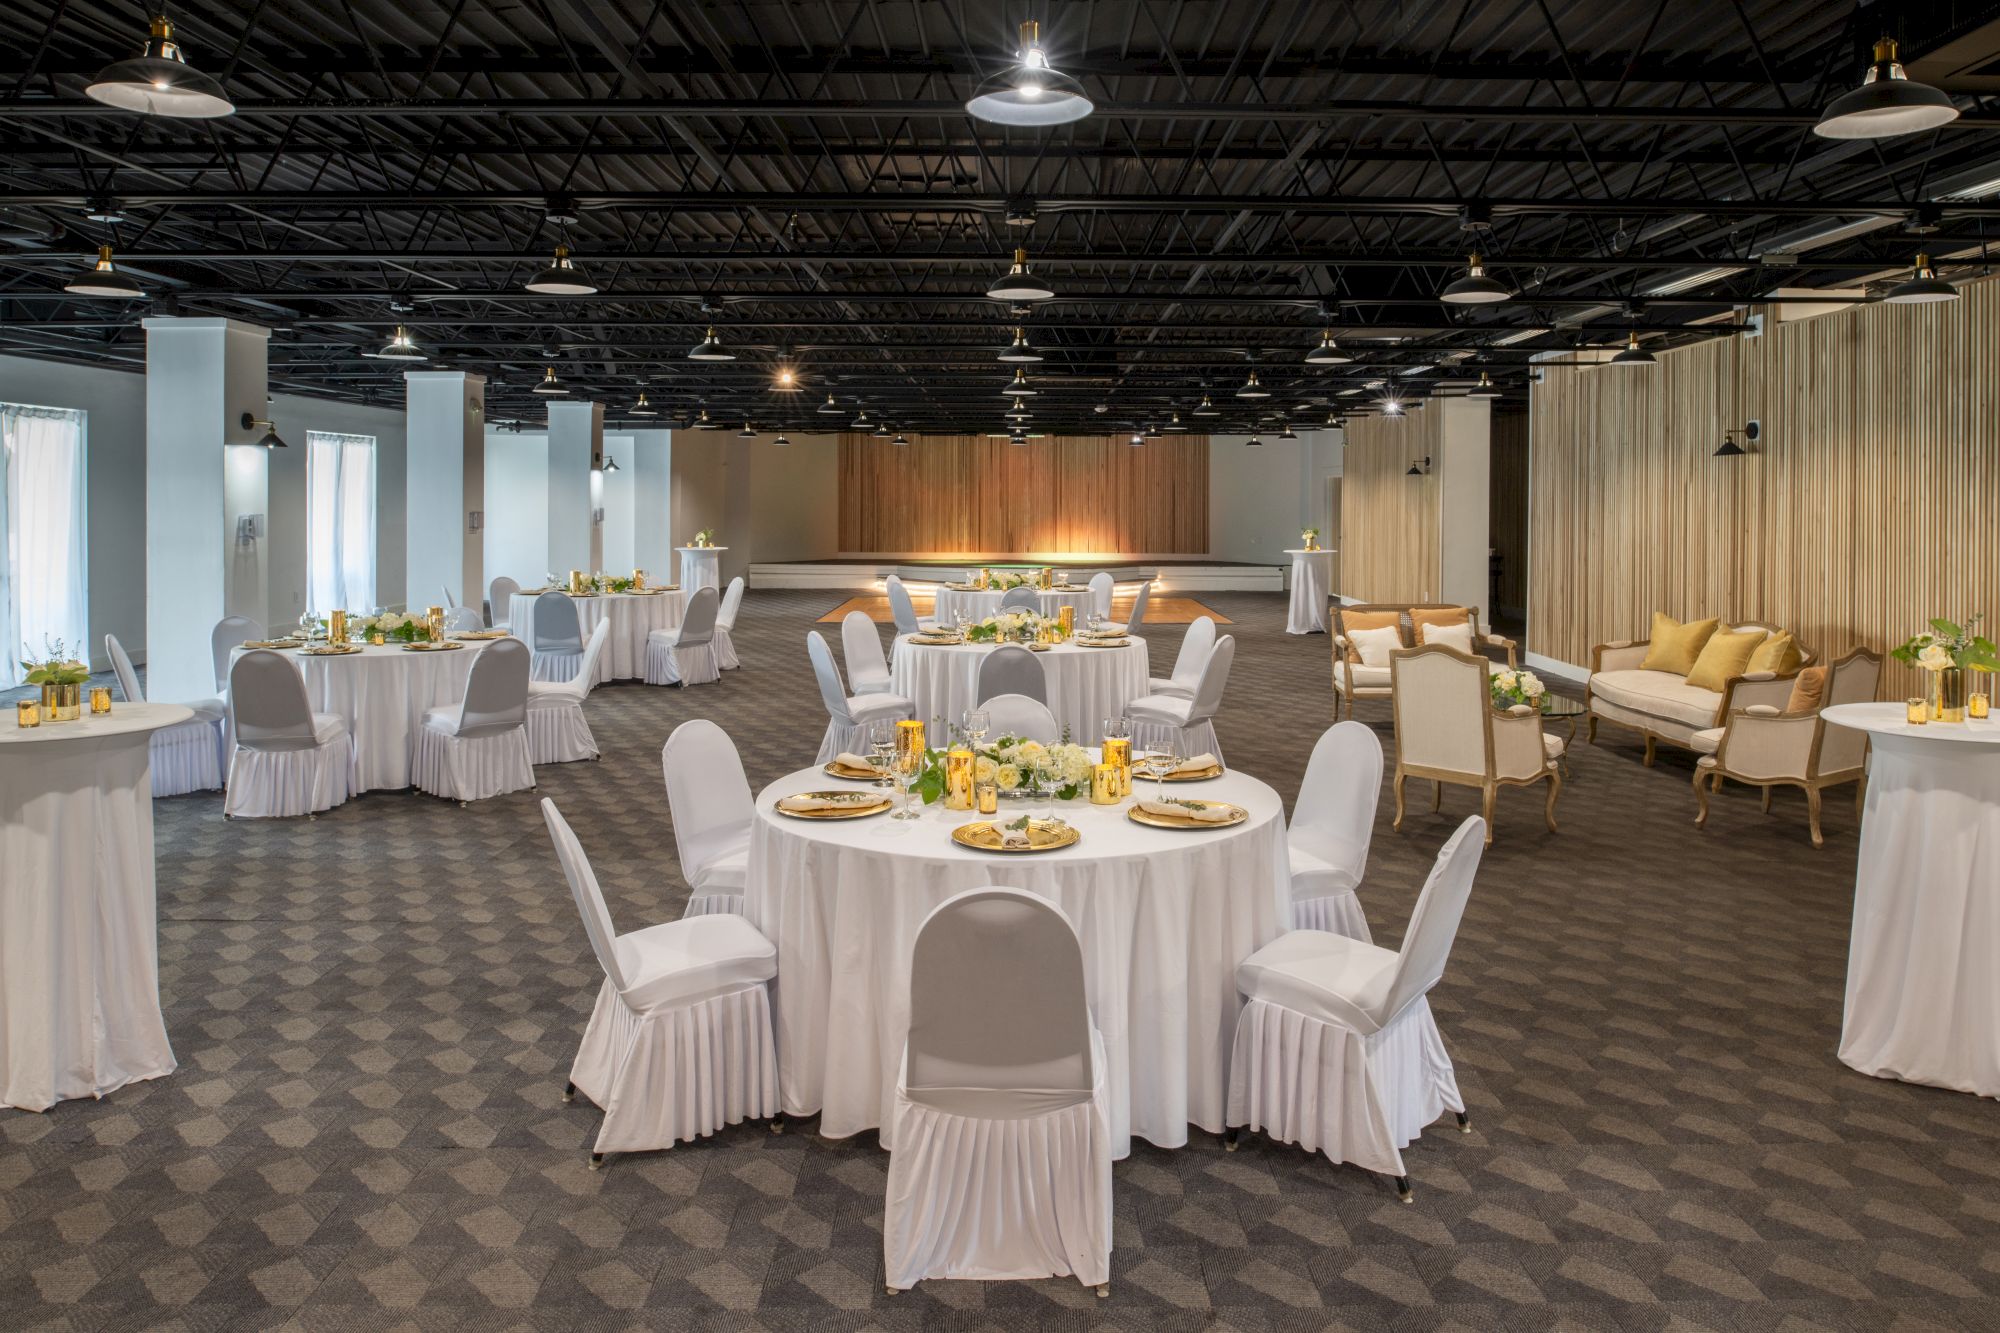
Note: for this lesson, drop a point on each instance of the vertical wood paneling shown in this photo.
(1388, 519)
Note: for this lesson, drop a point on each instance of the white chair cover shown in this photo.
(462, 619)
(848, 718)
(450, 602)
(500, 598)
(230, 632)
(558, 637)
(1012, 669)
(713, 812)
(901, 608)
(1020, 716)
(680, 1042)
(187, 756)
(1186, 725)
(1002, 1168)
(288, 759)
(478, 748)
(1023, 598)
(558, 732)
(1196, 645)
(685, 655)
(1101, 586)
(861, 645)
(1336, 1049)
(725, 626)
(1332, 826)
(1139, 603)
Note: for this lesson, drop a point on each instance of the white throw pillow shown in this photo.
(1375, 645)
(1457, 636)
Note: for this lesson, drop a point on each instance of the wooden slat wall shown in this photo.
(1388, 519)
(1507, 517)
(968, 495)
(1871, 504)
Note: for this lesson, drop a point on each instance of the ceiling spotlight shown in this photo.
(1019, 283)
(1019, 350)
(1326, 354)
(710, 348)
(402, 347)
(159, 82)
(787, 378)
(1391, 408)
(899, 439)
(1030, 93)
(1475, 288)
(1633, 355)
(1922, 220)
(781, 440)
(103, 279)
(1205, 408)
(1252, 389)
(550, 385)
(1019, 388)
(103, 208)
(642, 408)
(746, 433)
(1921, 287)
(1486, 388)
(1886, 104)
(561, 278)
(1020, 213)
(269, 439)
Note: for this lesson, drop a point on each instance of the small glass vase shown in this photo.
(1948, 695)
(62, 703)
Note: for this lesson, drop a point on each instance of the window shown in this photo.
(340, 522)
(42, 590)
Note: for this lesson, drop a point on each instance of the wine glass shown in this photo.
(909, 767)
(1160, 763)
(977, 723)
(308, 624)
(882, 751)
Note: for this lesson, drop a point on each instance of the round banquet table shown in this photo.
(633, 617)
(79, 928)
(1164, 917)
(1085, 685)
(1923, 961)
(383, 692)
(701, 566)
(1312, 580)
(980, 603)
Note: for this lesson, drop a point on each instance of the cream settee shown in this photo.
(1662, 705)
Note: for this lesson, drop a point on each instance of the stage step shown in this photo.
(861, 575)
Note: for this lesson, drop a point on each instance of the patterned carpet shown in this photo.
(374, 1013)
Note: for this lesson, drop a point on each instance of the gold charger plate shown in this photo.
(835, 769)
(270, 643)
(985, 836)
(331, 650)
(646, 592)
(1039, 647)
(432, 647)
(1119, 642)
(480, 635)
(852, 812)
(1208, 774)
(1151, 820)
(923, 642)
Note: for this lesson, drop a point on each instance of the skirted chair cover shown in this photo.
(901, 608)
(1185, 725)
(1332, 825)
(680, 1042)
(1101, 586)
(187, 756)
(861, 645)
(1023, 598)
(558, 641)
(685, 654)
(478, 748)
(288, 760)
(558, 732)
(1012, 669)
(500, 601)
(229, 633)
(1139, 602)
(1196, 645)
(848, 718)
(725, 626)
(450, 600)
(1002, 1168)
(1336, 1049)
(1024, 718)
(462, 620)
(713, 811)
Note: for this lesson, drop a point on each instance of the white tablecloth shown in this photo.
(1085, 685)
(979, 605)
(79, 929)
(1312, 580)
(701, 566)
(1164, 917)
(383, 693)
(633, 617)
(1923, 962)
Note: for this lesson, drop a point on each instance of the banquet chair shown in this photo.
(679, 1044)
(901, 608)
(1447, 730)
(1002, 1164)
(1196, 645)
(848, 717)
(500, 602)
(861, 646)
(450, 602)
(558, 732)
(685, 654)
(1101, 586)
(1186, 725)
(558, 642)
(462, 620)
(229, 632)
(1139, 601)
(1022, 717)
(1023, 598)
(1336, 1049)
(1332, 825)
(725, 626)
(288, 759)
(1011, 669)
(713, 811)
(186, 756)
(478, 747)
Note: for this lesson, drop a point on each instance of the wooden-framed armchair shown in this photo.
(1448, 731)
(1355, 679)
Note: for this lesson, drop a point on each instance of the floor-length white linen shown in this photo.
(981, 603)
(1164, 917)
(383, 693)
(632, 616)
(1923, 962)
(1085, 685)
(79, 931)
(44, 594)
(701, 567)
(677, 1074)
(1312, 581)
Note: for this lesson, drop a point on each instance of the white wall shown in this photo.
(1259, 500)
(615, 493)
(517, 508)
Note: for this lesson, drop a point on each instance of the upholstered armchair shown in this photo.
(1765, 745)
(1354, 678)
(1447, 730)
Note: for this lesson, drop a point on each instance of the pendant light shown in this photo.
(1174, 425)
(1020, 387)
(701, 421)
(1252, 389)
(861, 421)
(710, 348)
(1391, 408)
(1018, 437)
(829, 407)
(402, 347)
(561, 278)
(786, 379)
(1153, 432)
(1326, 354)
(881, 431)
(1253, 442)
(1921, 287)
(1486, 388)
(550, 385)
(159, 82)
(1633, 355)
(1887, 103)
(642, 408)
(1475, 288)
(781, 441)
(1030, 92)
(1206, 408)
(1138, 439)
(1019, 350)
(900, 440)
(1019, 283)
(103, 279)
(269, 439)
(1287, 433)
(746, 433)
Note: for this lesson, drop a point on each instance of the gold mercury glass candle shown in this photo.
(987, 792)
(638, 578)
(336, 626)
(958, 765)
(28, 713)
(1105, 785)
(1066, 619)
(576, 581)
(909, 741)
(1918, 712)
(1977, 705)
(1118, 752)
(434, 621)
(100, 699)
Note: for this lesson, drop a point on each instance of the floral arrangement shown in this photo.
(1310, 534)
(1005, 582)
(1947, 646)
(1011, 762)
(706, 537)
(393, 626)
(56, 666)
(1006, 627)
(613, 583)
(1517, 687)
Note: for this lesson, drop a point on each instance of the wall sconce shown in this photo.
(1729, 448)
(269, 440)
(475, 520)
(1420, 468)
(249, 527)
(597, 517)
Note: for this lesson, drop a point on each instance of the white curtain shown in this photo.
(340, 522)
(42, 590)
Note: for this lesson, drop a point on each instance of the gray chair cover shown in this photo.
(229, 632)
(557, 629)
(1012, 669)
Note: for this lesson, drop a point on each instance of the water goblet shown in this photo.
(882, 751)
(977, 723)
(909, 768)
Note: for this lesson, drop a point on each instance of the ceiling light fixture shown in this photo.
(1019, 350)
(1253, 443)
(159, 82)
(899, 439)
(402, 347)
(701, 421)
(1031, 92)
(1020, 387)
(550, 385)
(103, 208)
(781, 441)
(786, 379)
(1252, 389)
(1475, 288)
(1887, 103)
(1921, 287)
(710, 348)
(103, 279)
(1206, 408)
(642, 408)
(746, 433)
(1019, 283)
(1391, 408)
(561, 278)
(1018, 437)
(1287, 433)
(1486, 388)
(881, 432)
(1138, 438)
(829, 407)
(269, 439)
(1633, 354)
(1174, 425)
(1326, 354)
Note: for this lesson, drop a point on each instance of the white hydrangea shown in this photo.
(1934, 657)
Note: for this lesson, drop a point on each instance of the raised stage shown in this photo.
(863, 573)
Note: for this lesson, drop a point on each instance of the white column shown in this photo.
(576, 433)
(445, 467)
(202, 376)
(1464, 475)
(652, 465)
(618, 553)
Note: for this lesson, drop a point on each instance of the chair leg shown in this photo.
(1590, 729)
(1651, 752)
(1399, 800)
(1437, 796)
(1230, 1134)
(1464, 1122)
(1701, 797)
(1812, 815)
(1403, 1191)
(1486, 809)
(569, 1092)
(1549, 809)
(1104, 1292)
(597, 1160)
(1767, 798)
(778, 1123)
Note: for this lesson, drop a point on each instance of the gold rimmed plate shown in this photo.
(985, 835)
(1208, 774)
(271, 643)
(936, 641)
(850, 809)
(481, 635)
(836, 769)
(432, 647)
(331, 650)
(1119, 642)
(1142, 816)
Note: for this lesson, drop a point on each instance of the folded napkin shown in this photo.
(1015, 837)
(1197, 810)
(1199, 764)
(845, 800)
(847, 760)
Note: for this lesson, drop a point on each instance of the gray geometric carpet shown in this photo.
(374, 1013)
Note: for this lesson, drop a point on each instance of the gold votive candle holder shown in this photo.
(909, 744)
(1118, 753)
(986, 793)
(1106, 785)
(100, 699)
(638, 578)
(376, 638)
(576, 581)
(1066, 620)
(336, 626)
(1918, 712)
(28, 713)
(958, 768)
(1978, 706)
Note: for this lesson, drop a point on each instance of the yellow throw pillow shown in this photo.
(1723, 658)
(1676, 646)
(1437, 615)
(1778, 654)
(1808, 688)
(1351, 621)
